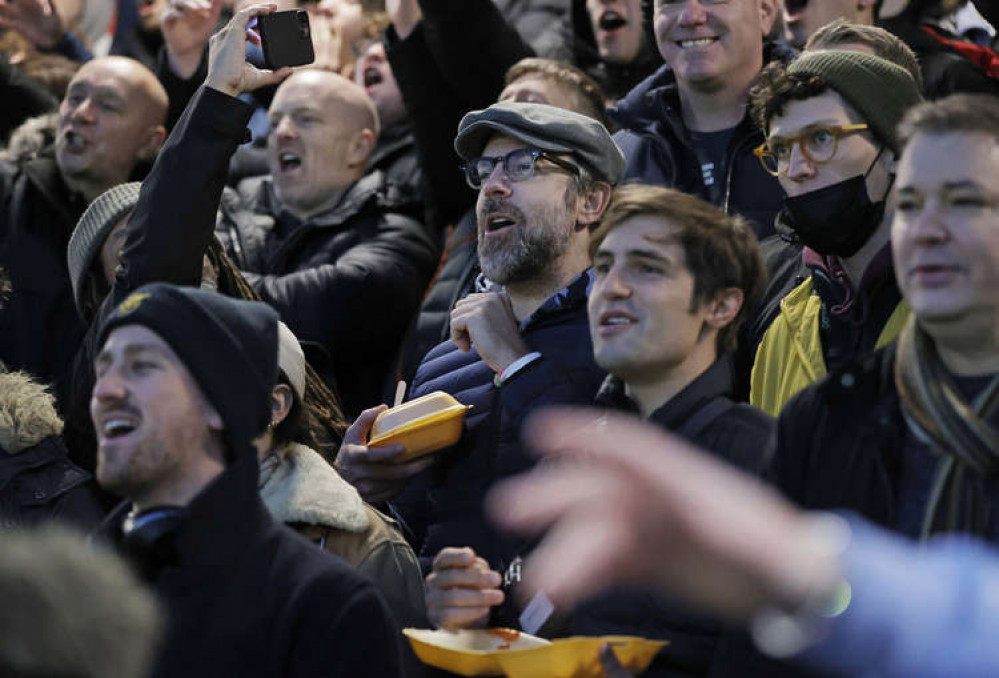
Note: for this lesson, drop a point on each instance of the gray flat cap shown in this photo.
(92, 230)
(545, 127)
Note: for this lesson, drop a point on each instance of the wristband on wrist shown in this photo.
(523, 361)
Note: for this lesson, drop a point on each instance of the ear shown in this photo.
(723, 309)
(768, 15)
(155, 137)
(361, 146)
(592, 204)
(281, 402)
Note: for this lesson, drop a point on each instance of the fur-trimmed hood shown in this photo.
(27, 413)
(299, 486)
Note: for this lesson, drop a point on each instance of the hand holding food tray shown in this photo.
(424, 425)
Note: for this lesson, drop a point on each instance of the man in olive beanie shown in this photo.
(184, 378)
(830, 121)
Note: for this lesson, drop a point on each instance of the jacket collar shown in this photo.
(570, 297)
(714, 382)
(43, 173)
(299, 486)
(352, 201)
(220, 522)
(656, 99)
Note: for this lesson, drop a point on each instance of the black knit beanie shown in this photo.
(882, 92)
(229, 346)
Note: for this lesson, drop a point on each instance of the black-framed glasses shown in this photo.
(818, 143)
(518, 165)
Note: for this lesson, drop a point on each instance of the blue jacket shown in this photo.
(658, 150)
(443, 506)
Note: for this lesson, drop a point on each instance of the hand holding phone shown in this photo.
(286, 39)
(228, 71)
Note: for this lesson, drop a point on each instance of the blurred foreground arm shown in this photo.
(625, 502)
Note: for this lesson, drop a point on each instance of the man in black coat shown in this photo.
(184, 378)
(323, 240)
(110, 122)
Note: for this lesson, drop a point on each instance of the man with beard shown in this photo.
(830, 120)
(544, 175)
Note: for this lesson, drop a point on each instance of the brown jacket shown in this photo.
(303, 491)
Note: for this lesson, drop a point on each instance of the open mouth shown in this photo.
(696, 43)
(499, 222)
(616, 319)
(73, 141)
(289, 162)
(611, 21)
(117, 427)
(372, 76)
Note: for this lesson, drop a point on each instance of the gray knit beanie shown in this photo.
(881, 91)
(93, 229)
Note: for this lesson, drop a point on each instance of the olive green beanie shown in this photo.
(882, 92)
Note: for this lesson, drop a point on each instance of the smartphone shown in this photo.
(286, 39)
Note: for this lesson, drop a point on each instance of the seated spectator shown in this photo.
(673, 276)
(38, 482)
(837, 178)
(184, 381)
(613, 43)
(544, 176)
(301, 490)
(110, 125)
(320, 239)
(688, 127)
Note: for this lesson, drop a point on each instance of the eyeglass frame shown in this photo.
(836, 130)
(535, 154)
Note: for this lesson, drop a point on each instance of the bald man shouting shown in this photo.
(110, 124)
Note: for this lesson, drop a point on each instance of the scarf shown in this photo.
(956, 429)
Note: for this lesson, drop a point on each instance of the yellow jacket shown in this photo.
(789, 357)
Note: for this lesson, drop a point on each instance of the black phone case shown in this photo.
(286, 39)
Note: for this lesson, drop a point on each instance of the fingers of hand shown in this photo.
(357, 433)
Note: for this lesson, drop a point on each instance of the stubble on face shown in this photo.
(529, 251)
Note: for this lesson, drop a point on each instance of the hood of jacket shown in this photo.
(298, 486)
(27, 413)
(644, 105)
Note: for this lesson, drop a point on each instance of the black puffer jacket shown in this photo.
(658, 150)
(348, 279)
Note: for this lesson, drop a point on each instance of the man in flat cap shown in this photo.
(521, 340)
(184, 381)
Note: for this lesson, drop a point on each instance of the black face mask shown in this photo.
(836, 220)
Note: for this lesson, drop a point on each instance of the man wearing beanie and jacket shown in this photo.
(184, 378)
(829, 120)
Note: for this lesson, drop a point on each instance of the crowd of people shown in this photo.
(717, 279)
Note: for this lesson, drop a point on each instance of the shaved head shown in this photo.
(110, 120)
(323, 130)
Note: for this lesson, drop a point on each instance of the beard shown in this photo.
(530, 249)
